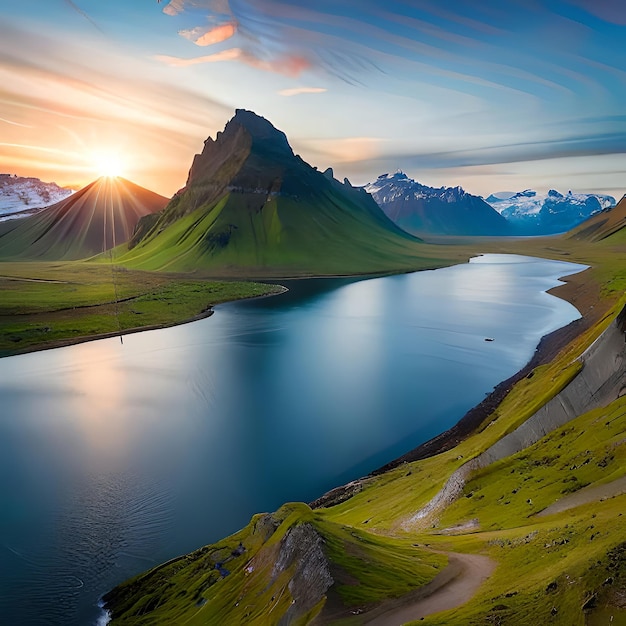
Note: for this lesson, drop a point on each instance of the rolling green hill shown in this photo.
(250, 206)
(96, 218)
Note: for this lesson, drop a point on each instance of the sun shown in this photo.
(110, 164)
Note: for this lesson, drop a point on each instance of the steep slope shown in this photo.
(251, 206)
(420, 209)
(609, 223)
(19, 194)
(535, 214)
(96, 218)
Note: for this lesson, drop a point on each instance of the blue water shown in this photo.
(116, 457)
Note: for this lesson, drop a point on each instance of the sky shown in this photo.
(493, 95)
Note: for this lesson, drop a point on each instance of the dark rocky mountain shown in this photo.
(252, 206)
(420, 209)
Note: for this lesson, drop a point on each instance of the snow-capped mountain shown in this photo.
(19, 194)
(420, 209)
(536, 214)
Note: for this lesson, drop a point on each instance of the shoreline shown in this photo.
(72, 341)
(579, 292)
(270, 280)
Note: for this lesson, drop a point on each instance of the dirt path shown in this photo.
(453, 586)
(585, 496)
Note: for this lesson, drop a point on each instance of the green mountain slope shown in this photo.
(96, 218)
(250, 205)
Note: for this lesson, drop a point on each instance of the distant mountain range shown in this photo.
(252, 206)
(96, 218)
(531, 213)
(424, 210)
(19, 194)
(420, 209)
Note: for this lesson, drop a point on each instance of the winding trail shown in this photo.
(453, 586)
(586, 495)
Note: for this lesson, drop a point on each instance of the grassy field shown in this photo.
(50, 304)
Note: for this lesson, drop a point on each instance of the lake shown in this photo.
(116, 457)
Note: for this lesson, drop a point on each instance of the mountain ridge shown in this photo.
(20, 194)
(532, 213)
(420, 209)
(251, 205)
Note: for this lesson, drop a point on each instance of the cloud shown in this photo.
(15, 123)
(613, 11)
(175, 7)
(345, 150)
(582, 145)
(81, 12)
(208, 36)
(106, 99)
(296, 91)
(287, 65)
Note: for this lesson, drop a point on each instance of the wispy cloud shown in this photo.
(55, 85)
(344, 150)
(613, 11)
(571, 146)
(15, 123)
(289, 66)
(78, 10)
(296, 91)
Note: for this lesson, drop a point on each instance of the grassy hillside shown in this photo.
(255, 235)
(566, 568)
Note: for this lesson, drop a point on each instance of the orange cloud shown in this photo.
(203, 36)
(290, 65)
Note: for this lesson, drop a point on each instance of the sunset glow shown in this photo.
(109, 164)
(473, 96)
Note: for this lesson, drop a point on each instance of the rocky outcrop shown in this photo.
(301, 553)
(601, 380)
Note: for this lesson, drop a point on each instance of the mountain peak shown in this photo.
(260, 129)
(418, 208)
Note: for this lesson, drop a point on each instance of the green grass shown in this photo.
(48, 304)
(282, 236)
(190, 590)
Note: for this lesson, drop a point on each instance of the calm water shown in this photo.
(114, 458)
